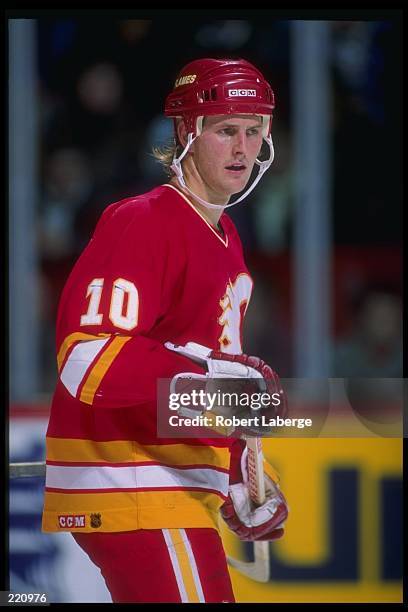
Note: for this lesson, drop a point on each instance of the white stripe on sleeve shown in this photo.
(78, 363)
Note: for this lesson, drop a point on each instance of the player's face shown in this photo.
(225, 153)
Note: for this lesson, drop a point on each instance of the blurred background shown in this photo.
(322, 233)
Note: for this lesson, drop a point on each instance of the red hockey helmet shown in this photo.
(220, 87)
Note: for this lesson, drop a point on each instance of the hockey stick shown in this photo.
(26, 470)
(259, 568)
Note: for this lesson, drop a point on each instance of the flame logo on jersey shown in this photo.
(237, 294)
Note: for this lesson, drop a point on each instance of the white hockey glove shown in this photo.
(247, 521)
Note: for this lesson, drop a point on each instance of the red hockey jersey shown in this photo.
(154, 271)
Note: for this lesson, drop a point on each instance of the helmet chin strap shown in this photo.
(263, 167)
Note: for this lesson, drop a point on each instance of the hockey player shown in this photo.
(165, 266)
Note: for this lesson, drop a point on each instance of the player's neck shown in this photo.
(211, 216)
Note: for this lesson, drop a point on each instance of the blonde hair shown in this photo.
(165, 154)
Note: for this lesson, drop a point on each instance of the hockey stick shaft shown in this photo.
(256, 479)
(27, 470)
(258, 569)
(258, 496)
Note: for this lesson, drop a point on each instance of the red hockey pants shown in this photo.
(161, 565)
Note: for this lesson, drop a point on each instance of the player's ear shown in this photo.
(181, 133)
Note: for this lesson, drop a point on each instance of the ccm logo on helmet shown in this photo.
(71, 521)
(189, 78)
(251, 93)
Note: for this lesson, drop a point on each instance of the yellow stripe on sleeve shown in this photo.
(69, 341)
(100, 368)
